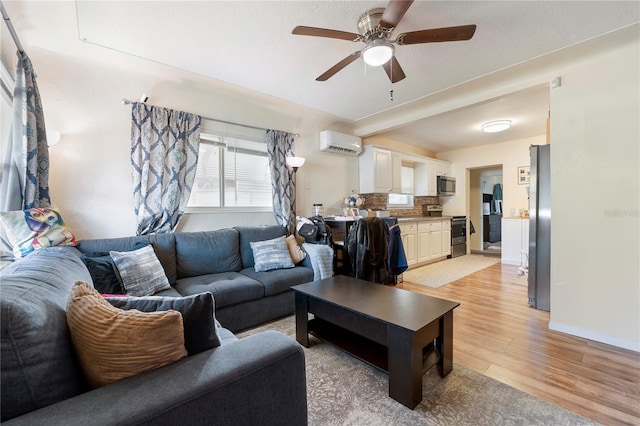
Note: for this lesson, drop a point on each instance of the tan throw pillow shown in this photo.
(112, 344)
(297, 254)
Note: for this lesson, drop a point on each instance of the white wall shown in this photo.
(595, 180)
(81, 86)
(510, 155)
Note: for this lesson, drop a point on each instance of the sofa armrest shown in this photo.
(259, 379)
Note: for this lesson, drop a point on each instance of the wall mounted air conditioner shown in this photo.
(340, 143)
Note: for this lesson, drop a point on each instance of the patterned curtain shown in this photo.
(164, 155)
(283, 180)
(25, 167)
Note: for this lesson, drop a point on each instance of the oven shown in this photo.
(458, 236)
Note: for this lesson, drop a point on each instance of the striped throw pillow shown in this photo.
(112, 344)
(140, 271)
(271, 254)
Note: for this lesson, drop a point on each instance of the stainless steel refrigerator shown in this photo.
(539, 277)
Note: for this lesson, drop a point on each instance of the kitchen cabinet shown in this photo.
(446, 237)
(424, 246)
(426, 240)
(396, 172)
(379, 170)
(409, 233)
(430, 240)
(515, 241)
(426, 175)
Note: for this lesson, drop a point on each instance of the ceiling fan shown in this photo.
(375, 27)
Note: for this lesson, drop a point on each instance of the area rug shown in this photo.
(440, 273)
(343, 391)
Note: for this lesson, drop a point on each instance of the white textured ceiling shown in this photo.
(249, 44)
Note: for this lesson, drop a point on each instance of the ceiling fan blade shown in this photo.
(337, 67)
(323, 32)
(464, 32)
(394, 12)
(394, 70)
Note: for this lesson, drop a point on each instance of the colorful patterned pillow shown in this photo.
(112, 344)
(140, 271)
(33, 229)
(271, 254)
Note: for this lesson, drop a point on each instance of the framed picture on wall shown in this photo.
(523, 175)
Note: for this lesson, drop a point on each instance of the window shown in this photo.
(233, 172)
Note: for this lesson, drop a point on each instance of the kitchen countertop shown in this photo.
(421, 218)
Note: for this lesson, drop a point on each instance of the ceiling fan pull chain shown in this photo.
(391, 95)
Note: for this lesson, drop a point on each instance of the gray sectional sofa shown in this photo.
(259, 379)
(220, 262)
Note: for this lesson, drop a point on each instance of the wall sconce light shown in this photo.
(295, 162)
(496, 126)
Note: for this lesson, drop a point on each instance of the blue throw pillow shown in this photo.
(271, 254)
(198, 316)
(140, 271)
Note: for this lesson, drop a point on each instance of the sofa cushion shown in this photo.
(226, 336)
(36, 228)
(38, 362)
(198, 316)
(140, 271)
(163, 245)
(279, 280)
(249, 234)
(271, 254)
(228, 288)
(210, 252)
(113, 344)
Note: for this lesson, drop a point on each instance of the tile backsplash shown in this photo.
(379, 202)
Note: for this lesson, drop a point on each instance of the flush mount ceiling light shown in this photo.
(496, 126)
(377, 53)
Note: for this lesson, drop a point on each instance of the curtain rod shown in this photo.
(297, 135)
(12, 31)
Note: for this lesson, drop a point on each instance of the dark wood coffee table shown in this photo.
(384, 326)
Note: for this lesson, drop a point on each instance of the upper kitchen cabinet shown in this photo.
(426, 172)
(380, 170)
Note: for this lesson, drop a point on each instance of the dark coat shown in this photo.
(368, 250)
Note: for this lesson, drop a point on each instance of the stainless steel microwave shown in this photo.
(446, 185)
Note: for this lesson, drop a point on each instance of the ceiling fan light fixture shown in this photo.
(377, 53)
(496, 126)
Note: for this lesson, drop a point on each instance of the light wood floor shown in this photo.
(497, 334)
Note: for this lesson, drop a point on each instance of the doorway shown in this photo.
(485, 213)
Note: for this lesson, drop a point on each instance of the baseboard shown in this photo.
(598, 337)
